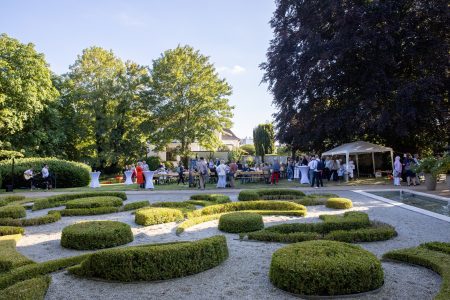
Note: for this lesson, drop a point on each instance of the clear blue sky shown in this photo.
(234, 33)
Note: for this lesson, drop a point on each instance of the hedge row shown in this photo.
(5, 200)
(51, 217)
(154, 262)
(135, 205)
(200, 202)
(185, 207)
(240, 222)
(13, 211)
(217, 198)
(437, 246)
(9, 230)
(249, 195)
(34, 288)
(339, 203)
(96, 235)
(379, 232)
(157, 215)
(70, 212)
(10, 258)
(325, 268)
(60, 200)
(92, 202)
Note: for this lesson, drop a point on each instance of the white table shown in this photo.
(148, 179)
(296, 172)
(128, 180)
(94, 180)
(305, 176)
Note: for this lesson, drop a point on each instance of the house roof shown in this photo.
(227, 134)
(357, 147)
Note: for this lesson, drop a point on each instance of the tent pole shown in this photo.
(392, 161)
(357, 164)
(347, 158)
(373, 162)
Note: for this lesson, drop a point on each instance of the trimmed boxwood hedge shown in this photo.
(68, 173)
(249, 195)
(157, 215)
(339, 203)
(13, 211)
(325, 268)
(91, 202)
(217, 198)
(9, 230)
(70, 212)
(437, 246)
(378, 232)
(96, 235)
(4, 200)
(51, 217)
(154, 262)
(10, 258)
(240, 222)
(180, 205)
(34, 288)
(135, 205)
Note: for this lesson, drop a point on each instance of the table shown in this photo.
(128, 180)
(148, 179)
(94, 179)
(305, 175)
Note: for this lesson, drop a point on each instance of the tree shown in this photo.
(263, 139)
(188, 101)
(25, 85)
(248, 149)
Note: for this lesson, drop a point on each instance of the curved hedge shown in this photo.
(13, 211)
(339, 203)
(240, 222)
(157, 215)
(51, 217)
(249, 195)
(91, 202)
(154, 262)
(325, 268)
(96, 235)
(10, 258)
(135, 205)
(9, 230)
(34, 288)
(4, 200)
(68, 173)
(70, 212)
(183, 206)
(217, 198)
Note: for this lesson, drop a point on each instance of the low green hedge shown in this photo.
(60, 200)
(325, 268)
(91, 202)
(68, 173)
(200, 202)
(157, 215)
(96, 235)
(248, 195)
(240, 222)
(5, 200)
(291, 237)
(378, 232)
(31, 289)
(135, 205)
(180, 205)
(437, 246)
(51, 217)
(13, 211)
(9, 230)
(217, 198)
(154, 262)
(270, 194)
(70, 212)
(339, 203)
(10, 258)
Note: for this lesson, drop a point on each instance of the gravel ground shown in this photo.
(245, 273)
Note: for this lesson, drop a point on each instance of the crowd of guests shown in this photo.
(404, 169)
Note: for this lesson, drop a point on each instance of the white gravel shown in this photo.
(244, 275)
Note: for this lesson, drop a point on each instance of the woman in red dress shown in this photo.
(139, 175)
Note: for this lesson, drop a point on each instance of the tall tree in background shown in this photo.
(263, 139)
(188, 101)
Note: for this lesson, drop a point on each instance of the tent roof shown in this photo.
(357, 148)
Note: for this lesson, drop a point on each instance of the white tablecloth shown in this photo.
(305, 176)
(94, 180)
(296, 172)
(148, 179)
(128, 180)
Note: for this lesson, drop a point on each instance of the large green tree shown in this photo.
(263, 139)
(25, 86)
(188, 101)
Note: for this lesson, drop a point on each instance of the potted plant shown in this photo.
(444, 168)
(430, 167)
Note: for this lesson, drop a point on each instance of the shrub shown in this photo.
(240, 222)
(271, 194)
(9, 154)
(96, 235)
(180, 205)
(325, 268)
(9, 199)
(379, 232)
(70, 212)
(135, 205)
(349, 220)
(217, 198)
(156, 215)
(91, 202)
(68, 173)
(291, 237)
(248, 195)
(339, 203)
(9, 230)
(34, 288)
(200, 202)
(10, 258)
(154, 262)
(437, 246)
(60, 200)
(51, 217)
(13, 211)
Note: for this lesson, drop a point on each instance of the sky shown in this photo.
(235, 34)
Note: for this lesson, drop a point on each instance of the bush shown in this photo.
(180, 205)
(379, 232)
(70, 212)
(9, 199)
(154, 262)
(14, 212)
(153, 162)
(9, 230)
(437, 246)
(217, 198)
(291, 237)
(31, 289)
(200, 202)
(102, 201)
(60, 200)
(10, 258)
(325, 268)
(240, 222)
(156, 215)
(271, 194)
(339, 203)
(9, 154)
(51, 217)
(135, 205)
(68, 173)
(96, 235)
(248, 195)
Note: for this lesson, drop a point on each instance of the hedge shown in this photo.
(10, 258)
(325, 268)
(437, 246)
(51, 217)
(339, 203)
(68, 173)
(9, 230)
(154, 262)
(70, 212)
(157, 215)
(180, 205)
(60, 200)
(96, 235)
(379, 232)
(13, 211)
(271, 194)
(9, 199)
(31, 289)
(135, 205)
(217, 198)
(91, 202)
(437, 261)
(240, 222)
(200, 202)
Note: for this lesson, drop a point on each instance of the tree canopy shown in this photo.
(264, 140)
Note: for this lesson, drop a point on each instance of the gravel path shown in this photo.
(245, 273)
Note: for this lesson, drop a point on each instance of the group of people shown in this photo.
(45, 180)
(404, 169)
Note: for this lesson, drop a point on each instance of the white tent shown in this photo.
(359, 147)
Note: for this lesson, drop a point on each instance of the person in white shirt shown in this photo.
(29, 176)
(222, 174)
(312, 167)
(145, 166)
(46, 176)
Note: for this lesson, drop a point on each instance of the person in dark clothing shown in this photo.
(180, 171)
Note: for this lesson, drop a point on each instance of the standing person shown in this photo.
(222, 175)
(304, 161)
(180, 171)
(202, 169)
(233, 170)
(145, 166)
(341, 169)
(351, 169)
(139, 175)
(312, 167)
(317, 175)
(397, 171)
(290, 169)
(46, 176)
(333, 169)
(410, 175)
(327, 170)
(276, 168)
(417, 162)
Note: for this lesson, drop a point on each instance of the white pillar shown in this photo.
(392, 161)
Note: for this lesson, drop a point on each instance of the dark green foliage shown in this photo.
(135, 205)
(14, 212)
(274, 236)
(378, 232)
(59, 200)
(30, 289)
(96, 235)
(264, 139)
(325, 268)
(155, 262)
(270, 194)
(9, 154)
(4, 200)
(248, 195)
(9, 230)
(339, 203)
(200, 202)
(217, 198)
(240, 222)
(88, 211)
(180, 205)
(51, 217)
(91, 202)
(9, 257)
(157, 215)
(437, 246)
